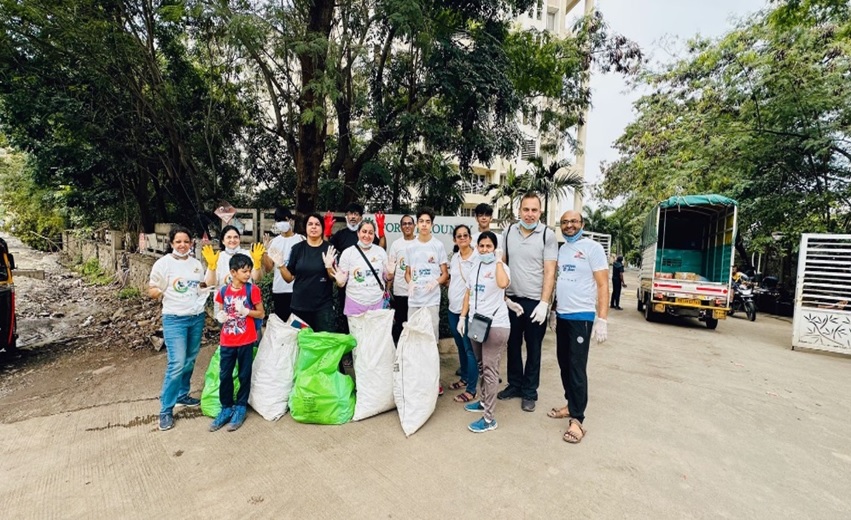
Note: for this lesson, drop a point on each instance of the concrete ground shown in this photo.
(683, 422)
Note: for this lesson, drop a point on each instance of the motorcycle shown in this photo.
(743, 299)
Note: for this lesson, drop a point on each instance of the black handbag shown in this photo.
(480, 325)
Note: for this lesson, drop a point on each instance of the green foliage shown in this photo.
(91, 272)
(761, 115)
(31, 211)
(129, 293)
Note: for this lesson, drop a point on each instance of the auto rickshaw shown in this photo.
(8, 324)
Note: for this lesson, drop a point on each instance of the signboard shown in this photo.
(441, 228)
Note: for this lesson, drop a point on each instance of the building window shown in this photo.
(527, 151)
(540, 10)
(551, 21)
(466, 212)
(477, 184)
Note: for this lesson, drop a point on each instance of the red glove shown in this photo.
(329, 223)
(379, 222)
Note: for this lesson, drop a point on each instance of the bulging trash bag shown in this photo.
(273, 371)
(321, 394)
(210, 403)
(374, 357)
(416, 373)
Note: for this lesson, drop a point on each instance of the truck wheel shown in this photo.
(750, 309)
(711, 323)
(649, 315)
(640, 301)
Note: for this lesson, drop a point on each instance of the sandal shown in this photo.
(572, 436)
(458, 385)
(559, 413)
(465, 397)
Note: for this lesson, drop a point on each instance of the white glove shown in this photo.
(514, 307)
(329, 257)
(601, 330)
(277, 256)
(240, 308)
(499, 254)
(462, 325)
(553, 318)
(341, 276)
(411, 288)
(158, 280)
(539, 315)
(432, 285)
(221, 316)
(390, 266)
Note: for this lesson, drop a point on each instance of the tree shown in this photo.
(548, 183)
(511, 188)
(761, 115)
(439, 184)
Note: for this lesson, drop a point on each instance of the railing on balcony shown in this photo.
(476, 188)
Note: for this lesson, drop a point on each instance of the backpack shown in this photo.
(249, 288)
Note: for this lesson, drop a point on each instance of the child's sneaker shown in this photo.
(221, 419)
(474, 407)
(237, 419)
(439, 390)
(482, 425)
(166, 421)
(188, 401)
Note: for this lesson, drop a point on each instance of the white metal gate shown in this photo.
(822, 319)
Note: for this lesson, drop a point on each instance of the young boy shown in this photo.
(237, 340)
(484, 215)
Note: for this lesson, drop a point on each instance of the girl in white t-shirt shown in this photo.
(279, 254)
(486, 296)
(177, 279)
(354, 271)
(459, 273)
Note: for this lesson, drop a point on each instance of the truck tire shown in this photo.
(640, 301)
(711, 323)
(649, 315)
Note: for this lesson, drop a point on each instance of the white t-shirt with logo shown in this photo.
(362, 286)
(284, 245)
(183, 279)
(425, 259)
(486, 297)
(398, 250)
(576, 289)
(459, 273)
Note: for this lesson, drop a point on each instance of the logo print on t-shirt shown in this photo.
(180, 285)
(358, 275)
(580, 255)
(402, 265)
(432, 259)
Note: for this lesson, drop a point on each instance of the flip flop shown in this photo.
(464, 397)
(559, 413)
(571, 437)
(458, 385)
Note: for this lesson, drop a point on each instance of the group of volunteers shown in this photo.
(503, 291)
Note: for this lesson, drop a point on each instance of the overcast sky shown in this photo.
(660, 27)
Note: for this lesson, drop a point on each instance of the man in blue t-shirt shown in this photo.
(582, 294)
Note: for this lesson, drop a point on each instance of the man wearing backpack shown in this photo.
(531, 251)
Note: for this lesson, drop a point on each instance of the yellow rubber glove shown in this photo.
(257, 252)
(210, 256)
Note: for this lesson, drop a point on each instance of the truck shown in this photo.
(687, 248)
(8, 325)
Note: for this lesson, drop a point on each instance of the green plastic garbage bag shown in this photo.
(321, 394)
(210, 403)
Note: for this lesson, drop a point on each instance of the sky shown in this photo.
(660, 27)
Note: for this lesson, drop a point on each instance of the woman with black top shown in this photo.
(310, 265)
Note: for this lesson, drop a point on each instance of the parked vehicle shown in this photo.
(8, 324)
(687, 255)
(743, 298)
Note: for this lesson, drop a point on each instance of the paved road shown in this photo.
(683, 422)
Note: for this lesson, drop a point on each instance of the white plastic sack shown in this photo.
(416, 373)
(373, 359)
(273, 371)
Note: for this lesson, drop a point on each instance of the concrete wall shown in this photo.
(110, 257)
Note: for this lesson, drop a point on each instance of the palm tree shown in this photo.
(597, 219)
(512, 187)
(546, 180)
(438, 184)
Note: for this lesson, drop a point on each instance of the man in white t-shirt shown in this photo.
(427, 269)
(279, 248)
(397, 256)
(581, 308)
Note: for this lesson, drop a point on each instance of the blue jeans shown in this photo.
(182, 335)
(469, 365)
(241, 358)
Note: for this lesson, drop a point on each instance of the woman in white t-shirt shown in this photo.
(177, 280)
(218, 263)
(486, 296)
(279, 253)
(364, 271)
(459, 273)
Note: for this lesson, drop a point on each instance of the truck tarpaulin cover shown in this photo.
(696, 200)
(321, 394)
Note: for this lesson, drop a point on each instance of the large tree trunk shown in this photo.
(311, 134)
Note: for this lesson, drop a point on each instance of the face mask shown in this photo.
(283, 226)
(231, 250)
(574, 238)
(487, 258)
(179, 255)
(364, 245)
(353, 227)
(533, 225)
